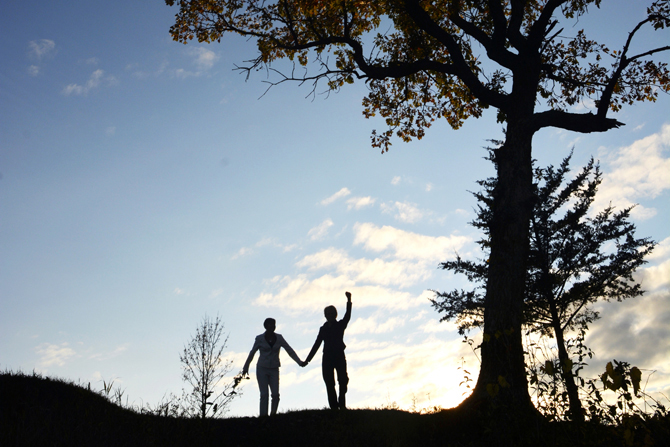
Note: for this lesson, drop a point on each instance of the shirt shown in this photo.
(269, 355)
(332, 336)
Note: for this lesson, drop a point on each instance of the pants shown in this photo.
(335, 362)
(268, 378)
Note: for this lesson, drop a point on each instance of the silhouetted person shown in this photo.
(332, 336)
(267, 369)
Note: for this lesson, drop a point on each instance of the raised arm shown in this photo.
(347, 314)
(245, 370)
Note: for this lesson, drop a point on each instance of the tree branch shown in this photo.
(539, 29)
(576, 122)
(459, 65)
(624, 61)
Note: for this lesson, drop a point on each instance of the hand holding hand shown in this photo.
(303, 364)
(245, 372)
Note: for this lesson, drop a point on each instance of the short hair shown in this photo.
(269, 322)
(330, 309)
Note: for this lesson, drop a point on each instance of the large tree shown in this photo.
(576, 258)
(427, 60)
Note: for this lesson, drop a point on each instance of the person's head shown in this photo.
(331, 313)
(270, 324)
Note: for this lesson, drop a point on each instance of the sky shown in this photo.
(145, 184)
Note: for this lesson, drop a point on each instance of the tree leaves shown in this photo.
(424, 61)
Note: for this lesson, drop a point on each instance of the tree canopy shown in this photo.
(424, 61)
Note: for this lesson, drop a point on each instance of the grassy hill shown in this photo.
(36, 411)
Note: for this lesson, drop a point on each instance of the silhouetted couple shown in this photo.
(269, 343)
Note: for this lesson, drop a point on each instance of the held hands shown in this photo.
(303, 364)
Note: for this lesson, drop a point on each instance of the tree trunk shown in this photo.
(502, 377)
(566, 368)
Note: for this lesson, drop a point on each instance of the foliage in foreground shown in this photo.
(44, 411)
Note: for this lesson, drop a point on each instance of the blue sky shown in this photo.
(144, 184)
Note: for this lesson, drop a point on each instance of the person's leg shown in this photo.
(327, 370)
(343, 380)
(274, 389)
(263, 382)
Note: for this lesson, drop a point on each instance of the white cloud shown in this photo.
(372, 325)
(635, 172)
(655, 277)
(636, 330)
(434, 325)
(181, 73)
(244, 251)
(204, 59)
(102, 356)
(215, 293)
(338, 195)
(360, 202)
(661, 251)
(585, 105)
(400, 273)
(263, 242)
(320, 231)
(39, 50)
(408, 245)
(425, 374)
(143, 74)
(404, 212)
(301, 293)
(97, 77)
(396, 180)
(178, 291)
(429, 187)
(42, 48)
(51, 354)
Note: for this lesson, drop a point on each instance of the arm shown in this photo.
(347, 315)
(245, 370)
(284, 344)
(315, 348)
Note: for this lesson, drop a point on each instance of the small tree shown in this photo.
(203, 368)
(574, 260)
